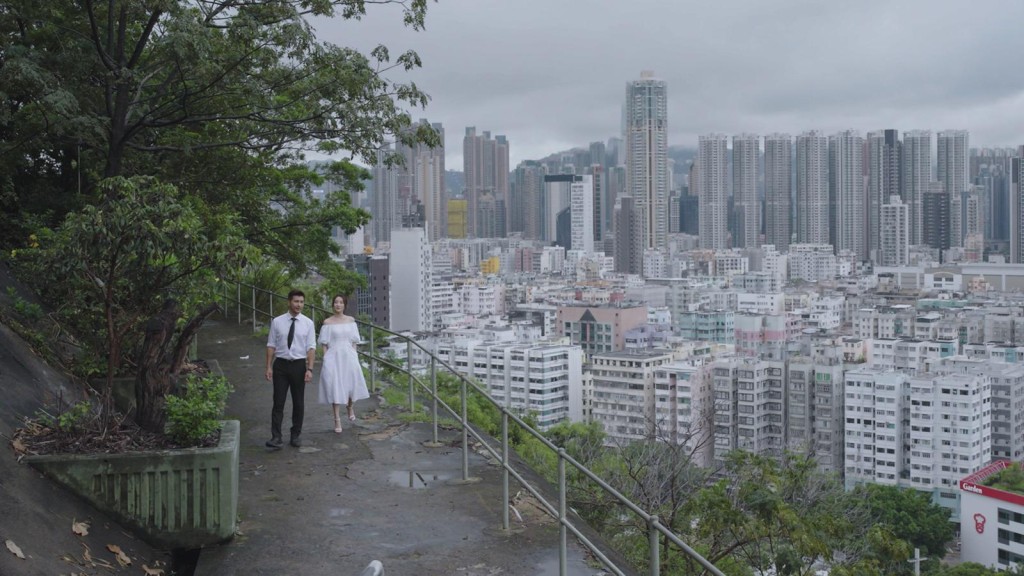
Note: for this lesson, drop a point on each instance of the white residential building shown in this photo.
(875, 405)
(814, 409)
(812, 262)
(749, 406)
(894, 234)
(907, 355)
(411, 287)
(761, 303)
(941, 421)
(683, 407)
(624, 393)
(950, 432)
(581, 213)
(543, 380)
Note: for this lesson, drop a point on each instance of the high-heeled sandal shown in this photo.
(337, 425)
(352, 416)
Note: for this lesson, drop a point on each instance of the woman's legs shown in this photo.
(336, 408)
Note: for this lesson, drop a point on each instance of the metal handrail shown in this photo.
(558, 509)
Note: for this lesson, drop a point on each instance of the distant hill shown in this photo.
(454, 181)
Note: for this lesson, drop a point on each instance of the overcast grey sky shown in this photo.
(551, 74)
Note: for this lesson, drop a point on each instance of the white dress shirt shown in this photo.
(303, 340)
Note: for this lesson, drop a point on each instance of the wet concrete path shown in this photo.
(373, 492)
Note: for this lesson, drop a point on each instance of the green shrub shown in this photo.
(28, 310)
(72, 418)
(75, 416)
(195, 413)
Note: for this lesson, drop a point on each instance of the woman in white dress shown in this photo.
(341, 376)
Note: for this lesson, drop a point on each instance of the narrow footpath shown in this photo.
(373, 492)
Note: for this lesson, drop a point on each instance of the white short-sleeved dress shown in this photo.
(341, 377)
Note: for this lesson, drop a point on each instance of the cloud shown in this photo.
(551, 74)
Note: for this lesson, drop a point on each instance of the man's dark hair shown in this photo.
(295, 293)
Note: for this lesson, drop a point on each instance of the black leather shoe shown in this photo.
(275, 443)
(296, 441)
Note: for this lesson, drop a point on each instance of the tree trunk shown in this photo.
(160, 362)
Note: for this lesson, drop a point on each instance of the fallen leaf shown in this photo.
(94, 562)
(122, 558)
(152, 571)
(80, 528)
(19, 447)
(15, 550)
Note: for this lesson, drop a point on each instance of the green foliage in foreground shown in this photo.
(195, 413)
(755, 514)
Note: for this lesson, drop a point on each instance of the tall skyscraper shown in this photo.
(713, 190)
(778, 189)
(581, 206)
(526, 212)
(1017, 210)
(812, 210)
(935, 218)
(846, 193)
(615, 186)
(486, 168)
(646, 130)
(915, 178)
(953, 172)
(894, 224)
(746, 156)
(423, 178)
(883, 169)
(628, 257)
(384, 205)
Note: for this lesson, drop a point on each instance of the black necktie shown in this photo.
(291, 334)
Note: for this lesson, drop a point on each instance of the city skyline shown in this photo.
(549, 77)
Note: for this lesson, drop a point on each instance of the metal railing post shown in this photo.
(238, 300)
(652, 544)
(504, 471)
(465, 433)
(253, 308)
(563, 553)
(408, 369)
(373, 362)
(433, 389)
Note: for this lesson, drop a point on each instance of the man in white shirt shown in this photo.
(291, 349)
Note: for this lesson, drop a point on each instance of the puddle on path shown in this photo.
(417, 479)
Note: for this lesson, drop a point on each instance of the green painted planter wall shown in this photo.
(174, 498)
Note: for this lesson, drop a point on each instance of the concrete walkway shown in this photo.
(373, 492)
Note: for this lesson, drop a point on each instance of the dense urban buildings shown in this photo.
(854, 299)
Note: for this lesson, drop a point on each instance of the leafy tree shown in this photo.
(113, 265)
(167, 137)
(911, 516)
(218, 97)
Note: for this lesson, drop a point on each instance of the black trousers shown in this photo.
(289, 376)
